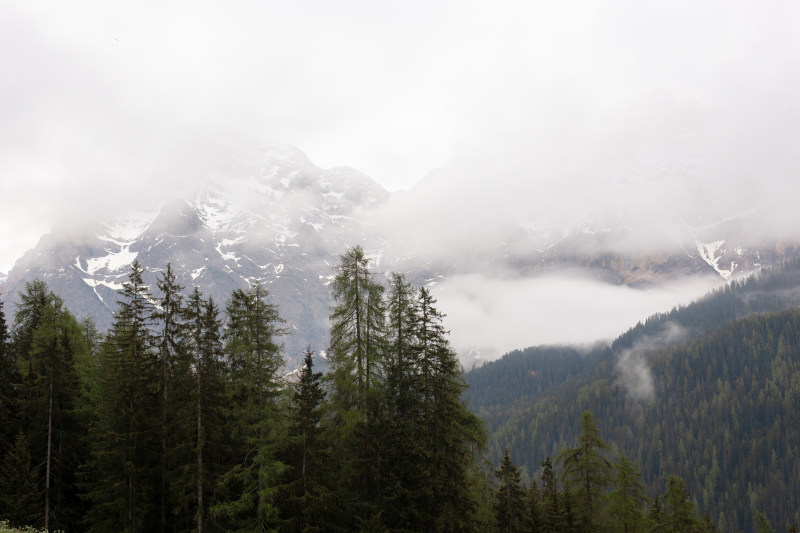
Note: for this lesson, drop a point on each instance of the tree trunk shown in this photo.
(199, 453)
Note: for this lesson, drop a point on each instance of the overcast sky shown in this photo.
(543, 92)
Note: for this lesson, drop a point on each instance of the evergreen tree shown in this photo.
(587, 472)
(626, 502)
(551, 517)
(8, 379)
(175, 383)
(509, 497)
(656, 520)
(357, 321)
(403, 456)
(122, 481)
(679, 509)
(534, 508)
(306, 487)
(202, 343)
(356, 338)
(19, 491)
(49, 341)
(452, 435)
(255, 359)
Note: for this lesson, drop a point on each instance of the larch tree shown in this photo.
(587, 472)
(355, 355)
(627, 501)
(254, 389)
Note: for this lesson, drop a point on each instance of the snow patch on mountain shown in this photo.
(131, 225)
(113, 261)
(710, 252)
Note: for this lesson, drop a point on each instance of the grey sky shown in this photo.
(532, 99)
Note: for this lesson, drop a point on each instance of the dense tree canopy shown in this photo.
(183, 418)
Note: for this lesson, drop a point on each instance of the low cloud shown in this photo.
(491, 316)
(632, 364)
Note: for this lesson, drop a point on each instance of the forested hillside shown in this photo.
(181, 417)
(699, 392)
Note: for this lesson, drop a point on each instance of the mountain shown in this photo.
(224, 217)
(264, 213)
(708, 391)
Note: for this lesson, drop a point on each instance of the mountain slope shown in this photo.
(709, 391)
(265, 213)
(224, 217)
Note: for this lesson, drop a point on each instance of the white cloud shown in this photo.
(546, 99)
(494, 316)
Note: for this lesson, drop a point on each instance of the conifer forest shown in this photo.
(183, 416)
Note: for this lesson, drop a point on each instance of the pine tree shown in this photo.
(122, 481)
(587, 472)
(509, 497)
(255, 359)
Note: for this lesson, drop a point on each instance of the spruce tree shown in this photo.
(203, 344)
(175, 387)
(451, 434)
(509, 497)
(122, 479)
(49, 340)
(8, 381)
(306, 487)
(254, 388)
(551, 517)
(402, 476)
(52, 411)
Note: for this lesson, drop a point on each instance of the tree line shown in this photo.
(181, 416)
(723, 414)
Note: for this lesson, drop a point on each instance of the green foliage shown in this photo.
(586, 472)
(249, 488)
(122, 478)
(191, 427)
(19, 491)
(723, 413)
(509, 498)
